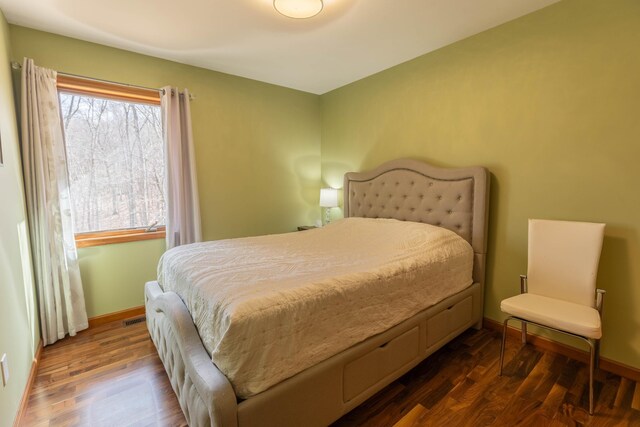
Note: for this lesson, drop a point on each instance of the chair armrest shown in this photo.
(523, 284)
(600, 299)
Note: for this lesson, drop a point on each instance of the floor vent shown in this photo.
(134, 320)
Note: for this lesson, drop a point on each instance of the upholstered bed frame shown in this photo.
(405, 189)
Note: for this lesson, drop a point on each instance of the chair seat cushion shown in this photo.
(567, 316)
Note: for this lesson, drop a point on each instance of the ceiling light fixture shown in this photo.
(299, 9)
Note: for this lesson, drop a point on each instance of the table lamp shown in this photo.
(328, 200)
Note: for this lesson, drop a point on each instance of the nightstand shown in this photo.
(306, 227)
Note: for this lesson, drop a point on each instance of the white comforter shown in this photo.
(269, 307)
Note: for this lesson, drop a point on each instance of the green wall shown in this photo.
(550, 104)
(257, 155)
(19, 333)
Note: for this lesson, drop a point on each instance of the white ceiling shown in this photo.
(348, 40)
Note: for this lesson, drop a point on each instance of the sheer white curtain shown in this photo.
(60, 294)
(181, 187)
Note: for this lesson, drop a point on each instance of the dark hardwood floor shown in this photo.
(459, 386)
(111, 376)
(107, 376)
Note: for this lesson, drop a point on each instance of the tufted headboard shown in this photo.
(409, 190)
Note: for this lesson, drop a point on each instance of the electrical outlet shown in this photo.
(5, 369)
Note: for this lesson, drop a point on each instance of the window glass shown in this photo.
(116, 162)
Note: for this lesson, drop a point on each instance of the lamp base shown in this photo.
(327, 216)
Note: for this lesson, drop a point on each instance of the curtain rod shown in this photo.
(17, 66)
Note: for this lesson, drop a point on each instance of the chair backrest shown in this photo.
(563, 259)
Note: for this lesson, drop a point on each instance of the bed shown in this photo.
(347, 368)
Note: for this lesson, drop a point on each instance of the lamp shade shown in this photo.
(328, 197)
(298, 8)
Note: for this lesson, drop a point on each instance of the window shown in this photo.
(115, 157)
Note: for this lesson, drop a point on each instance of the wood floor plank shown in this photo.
(111, 375)
(635, 403)
(416, 417)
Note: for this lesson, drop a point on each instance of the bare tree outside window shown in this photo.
(116, 162)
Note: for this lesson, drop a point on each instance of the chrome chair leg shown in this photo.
(504, 339)
(592, 357)
(524, 332)
(594, 353)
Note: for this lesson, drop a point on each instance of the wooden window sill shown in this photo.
(85, 240)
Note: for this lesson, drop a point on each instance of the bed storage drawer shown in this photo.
(449, 320)
(367, 370)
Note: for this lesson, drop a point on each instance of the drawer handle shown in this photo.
(385, 344)
(449, 308)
